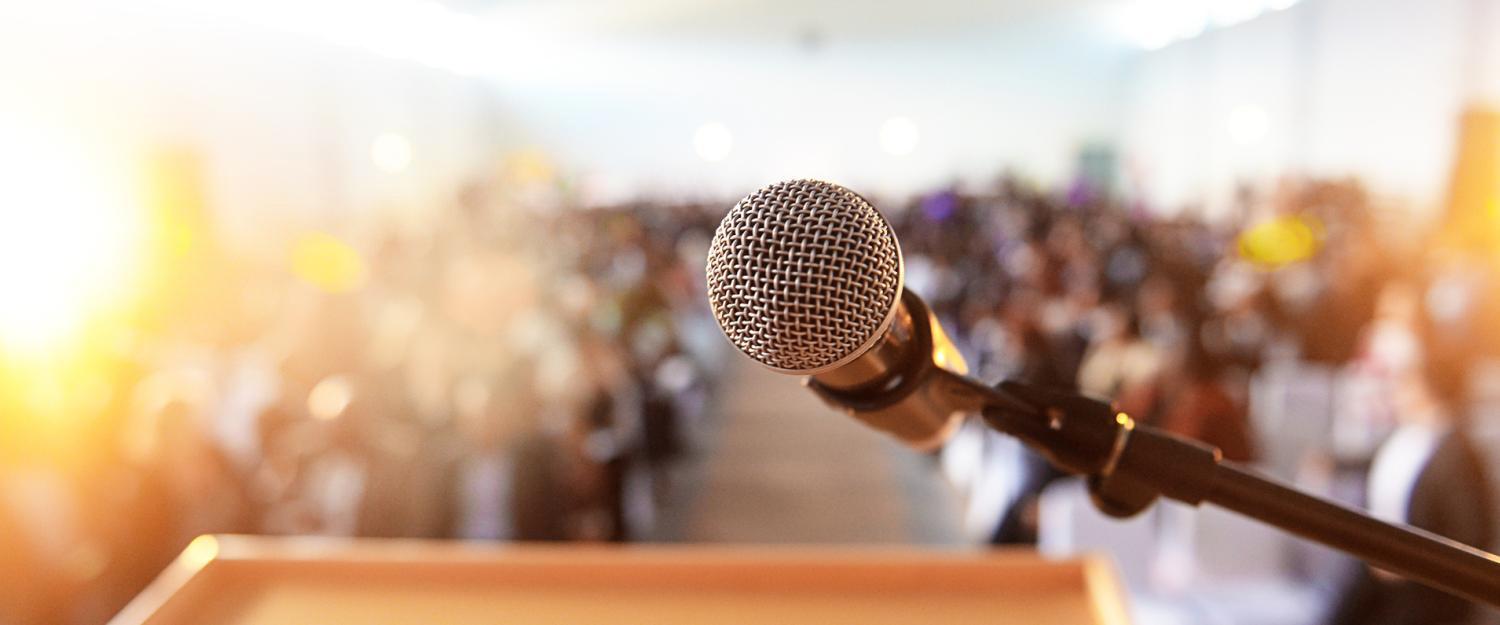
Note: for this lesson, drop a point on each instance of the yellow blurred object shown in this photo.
(327, 262)
(178, 207)
(1279, 241)
(529, 166)
(1472, 220)
(70, 239)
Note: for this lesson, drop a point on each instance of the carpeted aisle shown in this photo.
(786, 469)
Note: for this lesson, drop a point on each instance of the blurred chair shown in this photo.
(1070, 524)
(1290, 409)
(985, 466)
(1235, 570)
(1183, 564)
(1226, 546)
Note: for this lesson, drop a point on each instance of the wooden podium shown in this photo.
(238, 580)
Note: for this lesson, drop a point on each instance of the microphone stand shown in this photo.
(1128, 466)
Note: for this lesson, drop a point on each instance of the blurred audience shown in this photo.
(1430, 473)
(1183, 322)
(517, 369)
(497, 373)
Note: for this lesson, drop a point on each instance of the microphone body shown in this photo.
(806, 277)
(908, 383)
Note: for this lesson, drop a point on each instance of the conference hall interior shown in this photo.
(432, 274)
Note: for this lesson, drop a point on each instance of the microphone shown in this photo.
(806, 278)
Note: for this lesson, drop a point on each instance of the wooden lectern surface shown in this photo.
(234, 580)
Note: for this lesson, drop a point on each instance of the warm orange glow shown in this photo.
(70, 236)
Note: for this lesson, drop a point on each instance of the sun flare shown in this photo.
(69, 233)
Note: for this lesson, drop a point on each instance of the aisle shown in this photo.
(786, 469)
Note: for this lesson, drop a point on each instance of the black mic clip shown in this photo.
(1127, 468)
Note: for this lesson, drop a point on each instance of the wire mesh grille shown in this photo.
(802, 274)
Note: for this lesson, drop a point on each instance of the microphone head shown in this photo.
(804, 276)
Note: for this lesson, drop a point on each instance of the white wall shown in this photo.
(1364, 87)
(1371, 88)
(1019, 100)
(283, 124)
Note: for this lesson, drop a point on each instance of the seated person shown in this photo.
(1430, 474)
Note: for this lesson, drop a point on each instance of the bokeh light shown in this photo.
(200, 552)
(1279, 241)
(330, 398)
(327, 262)
(391, 153)
(899, 136)
(713, 142)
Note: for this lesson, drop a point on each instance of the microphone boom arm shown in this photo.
(1128, 466)
(1144, 463)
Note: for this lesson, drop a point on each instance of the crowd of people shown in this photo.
(494, 372)
(509, 371)
(1192, 325)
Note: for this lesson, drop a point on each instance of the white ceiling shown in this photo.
(796, 21)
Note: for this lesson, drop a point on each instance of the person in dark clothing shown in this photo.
(1429, 473)
(540, 510)
(1449, 498)
(1040, 367)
